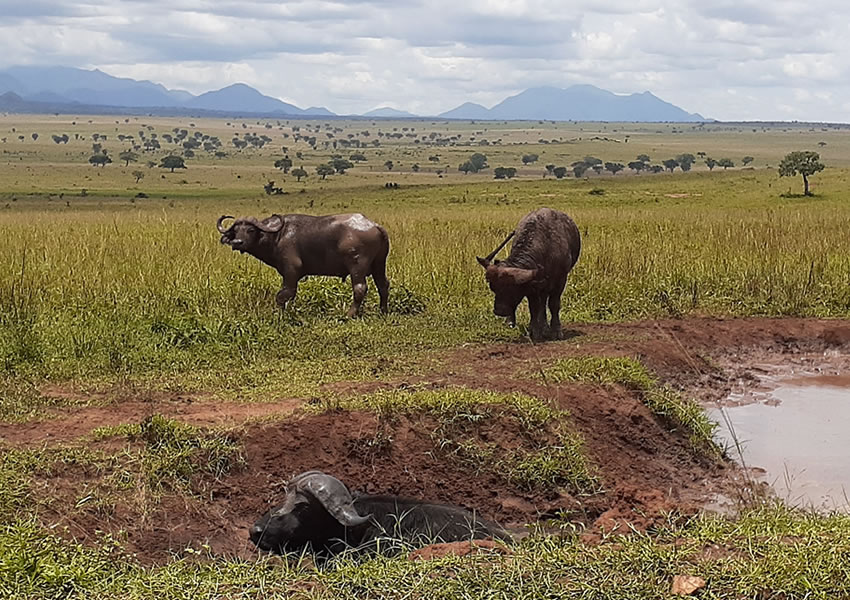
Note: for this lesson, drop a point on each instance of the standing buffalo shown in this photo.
(546, 247)
(319, 513)
(301, 245)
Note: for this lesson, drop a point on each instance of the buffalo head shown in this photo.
(246, 234)
(317, 508)
(509, 284)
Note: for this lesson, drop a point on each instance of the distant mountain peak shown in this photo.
(580, 102)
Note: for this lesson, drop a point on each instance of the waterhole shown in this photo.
(794, 434)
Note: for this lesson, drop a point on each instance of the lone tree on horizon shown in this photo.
(804, 162)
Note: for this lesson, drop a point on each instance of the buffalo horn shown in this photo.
(219, 225)
(497, 250)
(277, 224)
(332, 494)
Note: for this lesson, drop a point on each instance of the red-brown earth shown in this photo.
(647, 471)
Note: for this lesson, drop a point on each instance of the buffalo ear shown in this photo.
(273, 223)
(483, 261)
(520, 276)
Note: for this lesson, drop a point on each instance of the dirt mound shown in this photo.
(645, 468)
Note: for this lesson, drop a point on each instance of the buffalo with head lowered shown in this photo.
(319, 513)
(546, 247)
(301, 245)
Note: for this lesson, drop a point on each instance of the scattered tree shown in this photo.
(613, 167)
(389, 165)
(34, 136)
(325, 170)
(479, 162)
(579, 168)
(637, 166)
(172, 162)
(550, 169)
(358, 157)
(725, 163)
(747, 160)
(559, 172)
(710, 163)
(644, 158)
(806, 163)
(139, 175)
(100, 160)
(670, 164)
(340, 165)
(529, 158)
(284, 164)
(685, 161)
(504, 172)
(299, 173)
(128, 156)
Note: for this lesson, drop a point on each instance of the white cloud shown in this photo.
(729, 59)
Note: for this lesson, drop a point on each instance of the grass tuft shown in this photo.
(663, 400)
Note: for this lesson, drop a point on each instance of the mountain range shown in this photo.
(67, 89)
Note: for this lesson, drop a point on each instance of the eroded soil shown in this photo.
(647, 471)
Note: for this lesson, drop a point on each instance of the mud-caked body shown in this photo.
(320, 514)
(546, 247)
(300, 245)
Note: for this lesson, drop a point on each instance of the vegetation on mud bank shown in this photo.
(770, 552)
(664, 401)
(160, 455)
(553, 454)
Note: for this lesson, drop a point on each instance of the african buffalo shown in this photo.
(546, 247)
(319, 513)
(301, 245)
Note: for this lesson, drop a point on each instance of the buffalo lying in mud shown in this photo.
(319, 513)
(546, 247)
(301, 245)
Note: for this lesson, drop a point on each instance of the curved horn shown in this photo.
(275, 224)
(486, 261)
(332, 494)
(218, 223)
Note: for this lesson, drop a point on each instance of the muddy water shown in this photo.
(796, 437)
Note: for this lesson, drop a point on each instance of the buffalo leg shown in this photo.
(555, 310)
(358, 285)
(286, 293)
(537, 308)
(379, 275)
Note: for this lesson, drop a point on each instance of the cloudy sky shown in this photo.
(726, 59)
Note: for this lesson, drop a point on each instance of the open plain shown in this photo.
(154, 400)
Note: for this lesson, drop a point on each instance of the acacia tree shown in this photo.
(100, 159)
(670, 164)
(325, 170)
(710, 163)
(806, 163)
(559, 172)
(614, 167)
(283, 164)
(299, 173)
(128, 156)
(725, 163)
(172, 162)
(637, 166)
(747, 160)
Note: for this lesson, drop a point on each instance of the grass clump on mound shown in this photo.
(173, 452)
(551, 455)
(663, 400)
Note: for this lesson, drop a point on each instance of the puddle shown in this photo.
(794, 435)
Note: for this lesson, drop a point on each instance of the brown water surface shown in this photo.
(796, 439)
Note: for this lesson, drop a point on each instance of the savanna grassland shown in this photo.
(113, 286)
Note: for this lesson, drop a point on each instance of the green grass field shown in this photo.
(99, 286)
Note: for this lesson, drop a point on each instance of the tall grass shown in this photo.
(127, 292)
